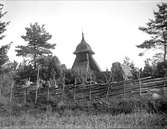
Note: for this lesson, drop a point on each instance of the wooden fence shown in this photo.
(93, 91)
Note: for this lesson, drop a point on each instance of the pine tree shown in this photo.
(3, 49)
(38, 45)
(157, 29)
(3, 24)
(3, 54)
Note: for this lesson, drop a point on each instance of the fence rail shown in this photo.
(94, 91)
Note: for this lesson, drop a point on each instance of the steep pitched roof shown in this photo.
(82, 65)
(83, 46)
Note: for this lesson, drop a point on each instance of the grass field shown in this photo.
(131, 113)
(82, 120)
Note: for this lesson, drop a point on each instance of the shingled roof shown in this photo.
(83, 47)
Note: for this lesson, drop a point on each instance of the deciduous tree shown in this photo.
(50, 67)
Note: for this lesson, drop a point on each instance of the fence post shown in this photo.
(108, 90)
(124, 89)
(63, 93)
(11, 91)
(36, 95)
(164, 88)
(74, 89)
(28, 83)
(49, 85)
(90, 97)
(0, 85)
(140, 83)
(25, 99)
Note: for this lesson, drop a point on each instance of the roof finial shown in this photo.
(82, 35)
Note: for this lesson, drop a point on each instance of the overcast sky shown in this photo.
(110, 27)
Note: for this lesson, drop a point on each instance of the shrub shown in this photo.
(127, 105)
(159, 105)
(161, 69)
(131, 105)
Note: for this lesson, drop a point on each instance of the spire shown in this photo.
(83, 47)
(83, 36)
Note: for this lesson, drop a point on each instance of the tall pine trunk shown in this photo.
(34, 61)
(165, 46)
(164, 59)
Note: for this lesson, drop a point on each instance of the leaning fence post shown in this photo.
(63, 89)
(0, 85)
(74, 89)
(108, 90)
(28, 83)
(63, 93)
(11, 91)
(36, 93)
(47, 104)
(37, 87)
(124, 89)
(140, 83)
(25, 94)
(164, 88)
(90, 97)
(48, 94)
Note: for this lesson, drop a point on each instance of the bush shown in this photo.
(159, 105)
(131, 105)
(127, 105)
(161, 69)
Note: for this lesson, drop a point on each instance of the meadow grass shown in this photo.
(82, 120)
